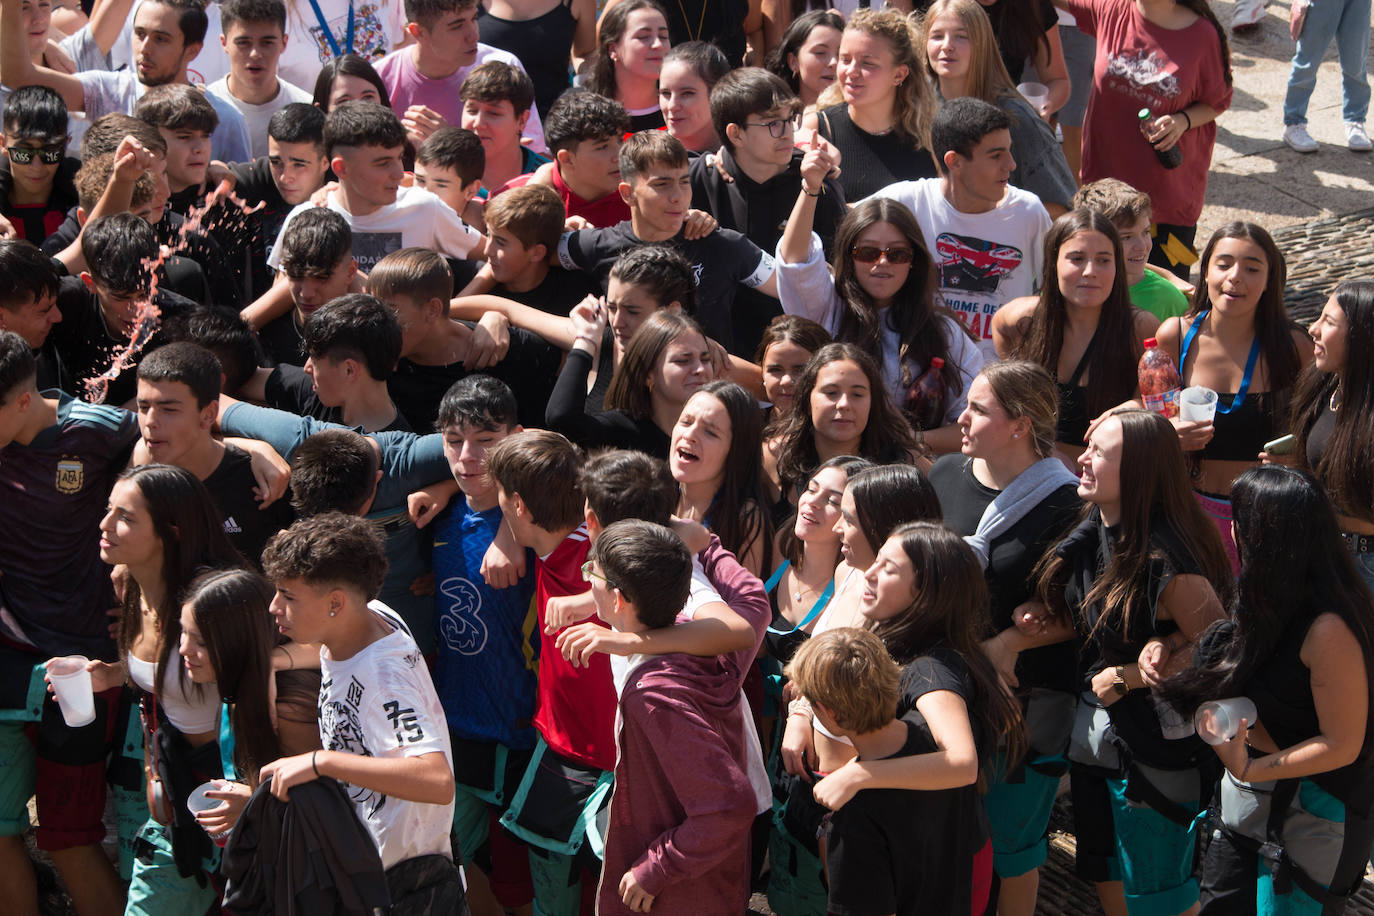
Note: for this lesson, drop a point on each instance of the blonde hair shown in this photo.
(988, 78)
(914, 102)
(851, 674)
(1026, 389)
(419, 273)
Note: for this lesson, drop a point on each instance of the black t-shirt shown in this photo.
(559, 291)
(872, 161)
(248, 525)
(253, 183)
(226, 226)
(35, 222)
(289, 388)
(529, 368)
(611, 428)
(720, 262)
(909, 852)
(1012, 559)
(282, 341)
(225, 288)
(86, 348)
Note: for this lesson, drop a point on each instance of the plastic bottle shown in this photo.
(1159, 380)
(925, 399)
(1170, 158)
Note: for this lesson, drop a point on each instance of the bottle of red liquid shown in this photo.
(1159, 380)
(1170, 158)
(925, 400)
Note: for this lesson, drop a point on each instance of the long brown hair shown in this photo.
(988, 78)
(1204, 9)
(188, 524)
(949, 608)
(790, 547)
(609, 30)
(737, 510)
(1155, 491)
(629, 388)
(1344, 468)
(231, 611)
(1115, 349)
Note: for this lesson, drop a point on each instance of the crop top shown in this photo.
(1072, 426)
(191, 711)
(1244, 420)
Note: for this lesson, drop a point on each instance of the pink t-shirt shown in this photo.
(408, 86)
(1141, 65)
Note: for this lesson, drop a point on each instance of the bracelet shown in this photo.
(818, 193)
(312, 763)
(1189, 118)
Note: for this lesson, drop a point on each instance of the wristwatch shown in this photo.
(1119, 681)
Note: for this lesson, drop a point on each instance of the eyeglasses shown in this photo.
(867, 254)
(779, 128)
(23, 155)
(588, 575)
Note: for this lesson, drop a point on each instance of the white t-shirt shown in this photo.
(377, 28)
(108, 92)
(191, 711)
(257, 116)
(382, 703)
(982, 260)
(416, 218)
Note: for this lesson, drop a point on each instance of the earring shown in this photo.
(1016, 435)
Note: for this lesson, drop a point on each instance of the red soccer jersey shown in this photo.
(576, 710)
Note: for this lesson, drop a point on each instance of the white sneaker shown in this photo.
(1300, 141)
(1356, 138)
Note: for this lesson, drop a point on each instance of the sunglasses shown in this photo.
(588, 575)
(23, 155)
(867, 254)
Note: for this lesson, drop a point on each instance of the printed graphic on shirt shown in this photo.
(369, 37)
(371, 247)
(971, 270)
(231, 526)
(342, 722)
(71, 475)
(460, 625)
(1142, 74)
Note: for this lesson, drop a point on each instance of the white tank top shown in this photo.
(191, 712)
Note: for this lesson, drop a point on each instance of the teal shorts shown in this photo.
(795, 884)
(1019, 813)
(1156, 855)
(1319, 803)
(16, 778)
(157, 888)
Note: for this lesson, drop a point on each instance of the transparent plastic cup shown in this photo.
(71, 686)
(1197, 403)
(1037, 94)
(1218, 721)
(199, 801)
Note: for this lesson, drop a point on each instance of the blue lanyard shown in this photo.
(1239, 396)
(328, 35)
(821, 600)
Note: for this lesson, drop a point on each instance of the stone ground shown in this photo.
(1320, 208)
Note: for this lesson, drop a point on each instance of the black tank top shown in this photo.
(1072, 427)
(543, 44)
(872, 162)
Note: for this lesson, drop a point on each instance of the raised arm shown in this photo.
(18, 69)
(556, 329)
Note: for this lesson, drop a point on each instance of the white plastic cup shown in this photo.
(199, 801)
(71, 685)
(1037, 94)
(1218, 721)
(1197, 403)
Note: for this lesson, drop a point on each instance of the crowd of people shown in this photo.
(538, 456)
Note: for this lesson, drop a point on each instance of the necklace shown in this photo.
(801, 587)
(701, 20)
(1335, 403)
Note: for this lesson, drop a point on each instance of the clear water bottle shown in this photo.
(1170, 158)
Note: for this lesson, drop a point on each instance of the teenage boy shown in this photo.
(351, 344)
(316, 265)
(523, 228)
(679, 827)
(437, 351)
(449, 165)
(167, 36)
(654, 181)
(488, 656)
(28, 301)
(294, 167)
(107, 325)
(185, 118)
(381, 725)
(423, 79)
(36, 175)
(756, 115)
(585, 131)
(58, 460)
(1129, 211)
(254, 36)
(178, 404)
(880, 841)
(365, 143)
(497, 101)
(984, 234)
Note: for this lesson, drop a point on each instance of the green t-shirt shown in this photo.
(1158, 296)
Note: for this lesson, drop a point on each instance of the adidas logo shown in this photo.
(231, 526)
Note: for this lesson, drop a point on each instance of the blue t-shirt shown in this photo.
(488, 656)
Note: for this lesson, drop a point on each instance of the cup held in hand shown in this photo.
(71, 686)
(1037, 94)
(1218, 721)
(1197, 403)
(199, 801)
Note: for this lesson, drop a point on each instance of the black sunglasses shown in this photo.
(867, 254)
(23, 155)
